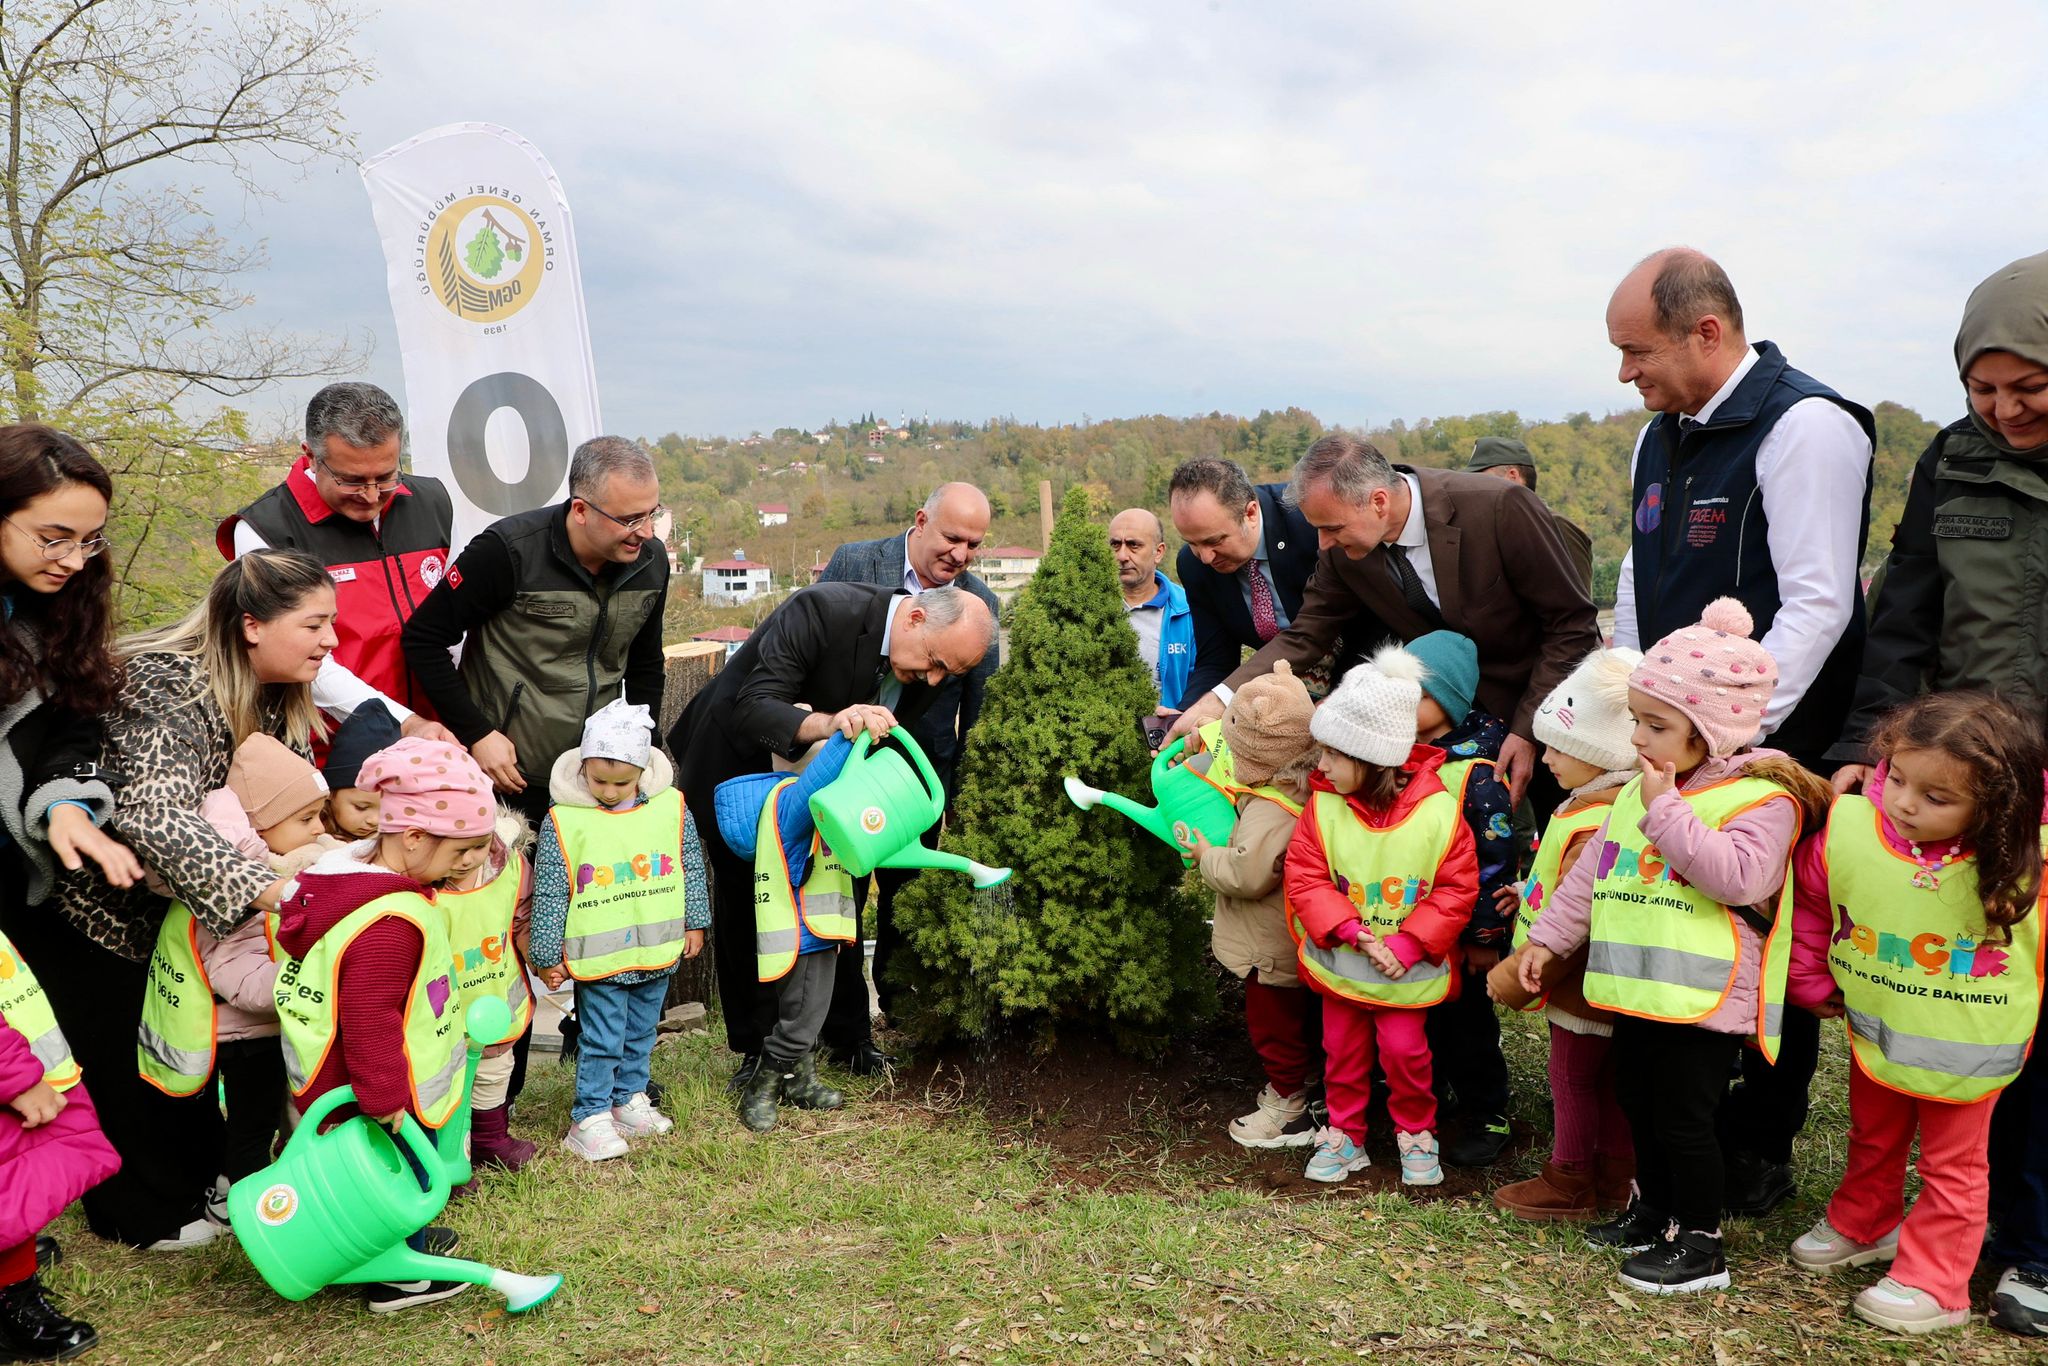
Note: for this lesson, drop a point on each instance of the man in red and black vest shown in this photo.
(383, 535)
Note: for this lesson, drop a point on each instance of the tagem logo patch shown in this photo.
(483, 255)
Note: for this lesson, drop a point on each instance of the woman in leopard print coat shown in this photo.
(242, 662)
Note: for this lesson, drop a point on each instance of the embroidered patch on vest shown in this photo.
(1650, 512)
(1957, 526)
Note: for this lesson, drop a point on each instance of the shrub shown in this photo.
(1097, 925)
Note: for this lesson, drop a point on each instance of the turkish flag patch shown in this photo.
(454, 576)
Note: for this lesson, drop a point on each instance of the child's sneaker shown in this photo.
(2019, 1303)
(1278, 1122)
(1419, 1164)
(1903, 1309)
(1682, 1263)
(1335, 1157)
(388, 1297)
(1826, 1248)
(638, 1118)
(595, 1138)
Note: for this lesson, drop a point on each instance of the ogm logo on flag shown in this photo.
(485, 257)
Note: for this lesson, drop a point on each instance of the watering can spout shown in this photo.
(915, 855)
(401, 1263)
(1150, 817)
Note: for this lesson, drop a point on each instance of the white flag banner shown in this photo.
(481, 262)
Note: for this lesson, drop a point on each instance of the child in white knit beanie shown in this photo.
(1584, 726)
(1381, 877)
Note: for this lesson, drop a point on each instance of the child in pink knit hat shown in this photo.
(1682, 903)
(368, 999)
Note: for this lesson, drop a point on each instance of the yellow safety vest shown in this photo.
(1933, 1010)
(1219, 770)
(1276, 796)
(625, 886)
(1661, 949)
(1543, 871)
(174, 1043)
(1385, 872)
(481, 953)
(825, 902)
(432, 1036)
(26, 1007)
(1454, 774)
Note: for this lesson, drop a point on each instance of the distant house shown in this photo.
(817, 570)
(738, 579)
(1008, 567)
(877, 459)
(731, 637)
(822, 438)
(772, 514)
(879, 434)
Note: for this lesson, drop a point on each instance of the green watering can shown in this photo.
(887, 796)
(1189, 799)
(336, 1208)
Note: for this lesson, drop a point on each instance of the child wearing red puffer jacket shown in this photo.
(1381, 878)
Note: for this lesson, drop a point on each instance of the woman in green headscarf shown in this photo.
(1963, 603)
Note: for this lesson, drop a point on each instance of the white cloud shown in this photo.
(795, 212)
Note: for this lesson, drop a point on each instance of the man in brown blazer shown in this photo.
(1428, 550)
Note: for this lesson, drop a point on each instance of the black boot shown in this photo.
(1679, 1265)
(1755, 1185)
(48, 1254)
(802, 1088)
(741, 1075)
(1636, 1228)
(758, 1097)
(31, 1329)
(1480, 1142)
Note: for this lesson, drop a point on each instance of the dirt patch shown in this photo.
(1116, 1121)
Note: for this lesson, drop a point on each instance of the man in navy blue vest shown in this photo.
(1753, 482)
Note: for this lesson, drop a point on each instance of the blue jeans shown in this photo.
(616, 1044)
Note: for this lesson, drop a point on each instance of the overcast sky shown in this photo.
(796, 212)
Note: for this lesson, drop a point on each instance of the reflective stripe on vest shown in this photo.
(26, 1007)
(625, 872)
(1385, 873)
(431, 1038)
(1545, 874)
(1661, 949)
(1933, 1010)
(174, 1042)
(825, 903)
(1275, 796)
(1218, 768)
(480, 949)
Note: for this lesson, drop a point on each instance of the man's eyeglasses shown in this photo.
(643, 525)
(61, 550)
(347, 485)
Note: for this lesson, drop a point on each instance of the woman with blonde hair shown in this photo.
(240, 664)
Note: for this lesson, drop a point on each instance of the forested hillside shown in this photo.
(845, 487)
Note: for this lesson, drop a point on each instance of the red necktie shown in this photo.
(1265, 621)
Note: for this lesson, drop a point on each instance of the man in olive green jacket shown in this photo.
(558, 611)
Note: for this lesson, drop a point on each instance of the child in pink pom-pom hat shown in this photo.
(1681, 900)
(368, 1000)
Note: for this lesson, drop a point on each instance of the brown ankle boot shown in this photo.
(1552, 1195)
(1612, 1179)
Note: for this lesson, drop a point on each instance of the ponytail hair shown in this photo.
(1810, 792)
(2005, 755)
(73, 663)
(265, 585)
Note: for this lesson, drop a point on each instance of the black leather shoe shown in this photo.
(867, 1060)
(32, 1329)
(750, 1063)
(48, 1254)
(1683, 1264)
(1480, 1142)
(1635, 1229)
(1755, 1187)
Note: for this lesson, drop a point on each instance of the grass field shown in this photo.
(906, 1228)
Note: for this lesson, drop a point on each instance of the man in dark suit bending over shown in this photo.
(861, 658)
